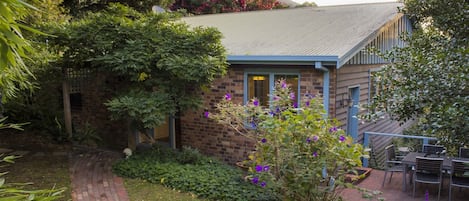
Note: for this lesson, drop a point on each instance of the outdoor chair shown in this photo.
(459, 175)
(463, 152)
(433, 149)
(429, 171)
(392, 163)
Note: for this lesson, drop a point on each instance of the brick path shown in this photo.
(92, 177)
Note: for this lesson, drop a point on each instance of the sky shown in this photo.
(341, 2)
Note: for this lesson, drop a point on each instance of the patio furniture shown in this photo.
(463, 152)
(459, 176)
(429, 171)
(433, 149)
(392, 163)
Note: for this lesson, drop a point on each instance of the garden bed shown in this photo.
(362, 173)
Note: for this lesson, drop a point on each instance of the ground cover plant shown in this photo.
(190, 171)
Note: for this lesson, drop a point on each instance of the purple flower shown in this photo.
(259, 168)
(276, 98)
(264, 140)
(308, 140)
(255, 102)
(283, 84)
(426, 195)
(206, 114)
(307, 103)
(253, 124)
(295, 105)
(315, 138)
(292, 95)
(315, 154)
(255, 180)
(271, 113)
(266, 168)
(342, 138)
(228, 96)
(263, 184)
(333, 129)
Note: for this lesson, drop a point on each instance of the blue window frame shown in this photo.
(260, 83)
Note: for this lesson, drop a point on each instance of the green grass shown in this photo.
(45, 172)
(140, 190)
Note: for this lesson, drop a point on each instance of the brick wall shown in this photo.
(94, 93)
(214, 139)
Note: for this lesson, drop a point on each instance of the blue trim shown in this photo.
(280, 58)
(272, 59)
(271, 73)
(326, 92)
(353, 111)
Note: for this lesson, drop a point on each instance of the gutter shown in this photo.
(318, 65)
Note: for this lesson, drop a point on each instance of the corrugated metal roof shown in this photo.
(321, 31)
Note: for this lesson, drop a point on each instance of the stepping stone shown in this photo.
(4, 150)
(19, 153)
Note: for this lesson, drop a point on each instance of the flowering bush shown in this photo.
(299, 152)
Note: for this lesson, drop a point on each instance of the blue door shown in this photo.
(352, 116)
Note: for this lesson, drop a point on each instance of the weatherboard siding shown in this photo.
(358, 75)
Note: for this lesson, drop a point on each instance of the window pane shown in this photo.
(258, 87)
(292, 82)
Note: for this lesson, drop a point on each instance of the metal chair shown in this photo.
(429, 171)
(459, 175)
(433, 149)
(392, 164)
(463, 152)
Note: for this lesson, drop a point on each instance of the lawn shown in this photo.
(45, 172)
(140, 190)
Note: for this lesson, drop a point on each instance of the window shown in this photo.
(260, 85)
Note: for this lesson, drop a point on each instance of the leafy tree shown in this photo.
(158, 63)
(225, 6)
(79, 7)
(428, 80)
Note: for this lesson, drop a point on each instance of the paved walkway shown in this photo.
(92, 177)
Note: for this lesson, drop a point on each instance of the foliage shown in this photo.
(202, 176)
(87, 135)
(428, 79)
(301, 154)
(225, 6)
(42, 108)
(159, 63)
(307, 4)
(78, 8)
(14, 48)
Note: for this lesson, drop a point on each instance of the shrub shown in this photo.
(299, 152)
(190, 171)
